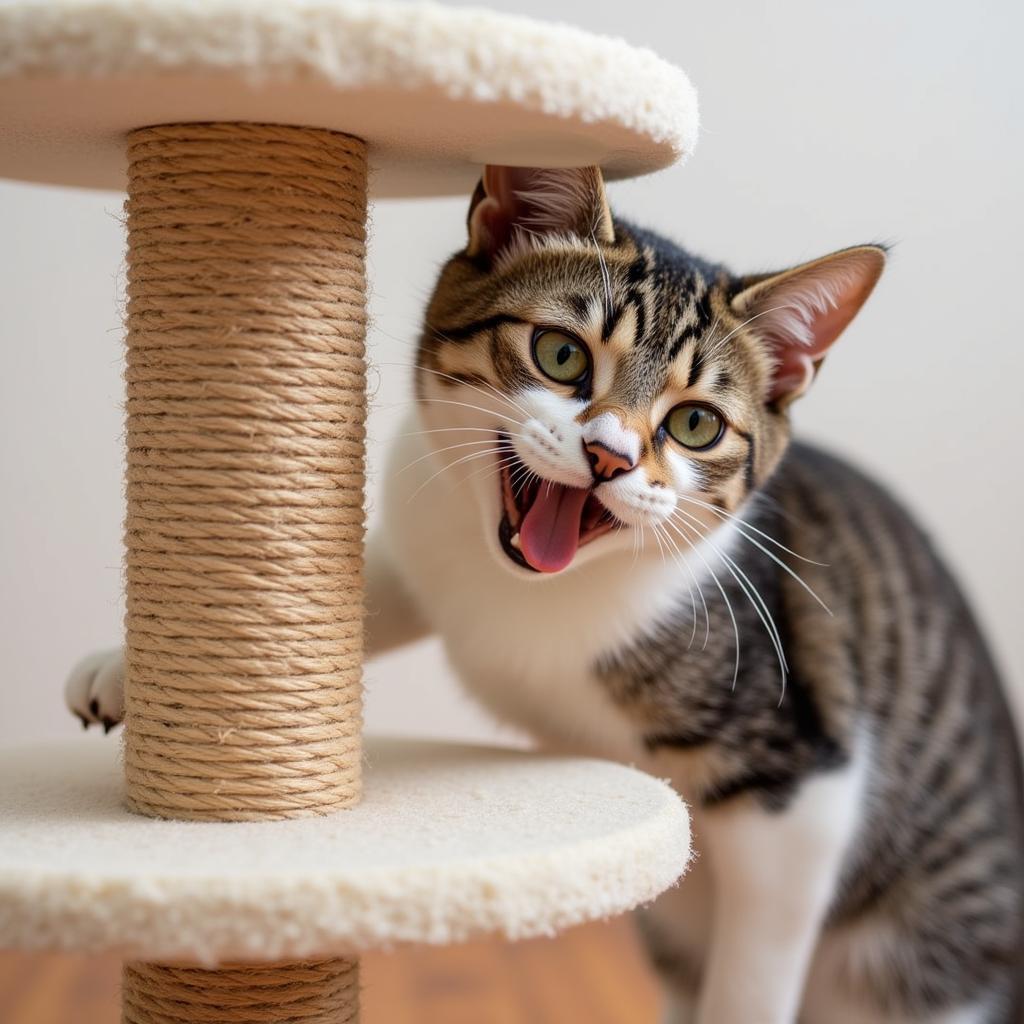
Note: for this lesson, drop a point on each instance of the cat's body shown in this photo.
(599, 511)
(890, 702)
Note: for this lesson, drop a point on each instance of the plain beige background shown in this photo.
(824, 125)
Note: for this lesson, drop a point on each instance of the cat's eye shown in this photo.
(695, 426)
(560, 356)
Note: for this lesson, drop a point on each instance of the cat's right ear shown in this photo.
(516, 203)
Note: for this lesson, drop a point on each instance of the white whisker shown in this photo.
(525, 477)
(606, 278)
(718, 347)
(678, 558)
(778, 561)
(751, 592)
(489, 471)
(732, 517)
(463, 405)
(661, 548)
(448, 430)
(492, 391)
(718, 583)
(492, 441)
(451, 465)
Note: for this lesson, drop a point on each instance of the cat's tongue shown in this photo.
(550, 531)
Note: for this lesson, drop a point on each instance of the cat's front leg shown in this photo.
(775, 873)
(94, 690)
(393, 618)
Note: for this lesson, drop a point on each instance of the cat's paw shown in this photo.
(95, 689)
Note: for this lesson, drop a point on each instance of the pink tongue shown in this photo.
(550, 533)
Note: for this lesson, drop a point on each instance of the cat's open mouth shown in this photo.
(544, 523)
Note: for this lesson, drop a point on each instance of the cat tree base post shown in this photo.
(316, 992)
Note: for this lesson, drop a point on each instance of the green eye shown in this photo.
(560, 356)
(694, 426)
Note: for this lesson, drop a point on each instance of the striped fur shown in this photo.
(892, 683)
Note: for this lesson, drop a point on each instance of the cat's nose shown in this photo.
(605, 462)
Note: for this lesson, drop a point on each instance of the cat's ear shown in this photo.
(511, 202)
(800, 312)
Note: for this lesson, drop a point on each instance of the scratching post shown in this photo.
(244, 531)
(232, 861)
(320, 992)
(245, 443)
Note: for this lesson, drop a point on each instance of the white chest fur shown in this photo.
(526, 647)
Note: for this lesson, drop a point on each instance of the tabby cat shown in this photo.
(600, 511)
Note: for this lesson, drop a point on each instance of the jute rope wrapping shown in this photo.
(244, 530)
(245, 439)
(322, 992)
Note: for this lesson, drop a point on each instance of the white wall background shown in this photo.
(824, 125)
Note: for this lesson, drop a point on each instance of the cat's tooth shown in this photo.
(515, 541)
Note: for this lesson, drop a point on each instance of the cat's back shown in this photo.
(869, 544)
(913, 642)
(944, 822)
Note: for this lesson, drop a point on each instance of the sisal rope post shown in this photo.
(319, 992)
(244, 529)
(245, 445)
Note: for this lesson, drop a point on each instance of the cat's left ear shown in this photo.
(800, 312)
(536, 201)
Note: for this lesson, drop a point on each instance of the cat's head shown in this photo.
(594, 385)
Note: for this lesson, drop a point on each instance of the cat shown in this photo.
(600, 510)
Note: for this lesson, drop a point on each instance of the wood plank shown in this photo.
(589, 975)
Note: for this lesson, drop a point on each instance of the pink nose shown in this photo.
(605, 462)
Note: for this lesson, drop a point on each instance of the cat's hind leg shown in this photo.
(675, 930)
(679, 1008)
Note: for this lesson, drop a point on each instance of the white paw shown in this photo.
(95, 689)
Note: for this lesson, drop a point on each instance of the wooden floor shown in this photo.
(594, 974)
